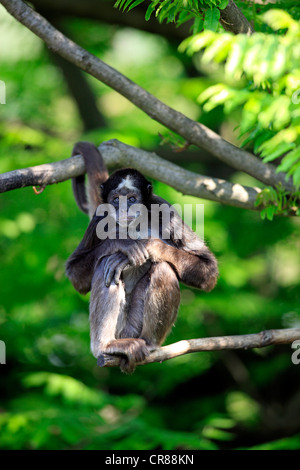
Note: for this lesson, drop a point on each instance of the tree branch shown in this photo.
(116, 153)
(194, 132)
(232, 19)
(256, 340)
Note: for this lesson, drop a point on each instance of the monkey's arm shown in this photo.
(192, 261)
(195, 267)
(81, 265)
(80, 268)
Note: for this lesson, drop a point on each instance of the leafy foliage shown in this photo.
(263, 83)
(204, 14)
(277, 201)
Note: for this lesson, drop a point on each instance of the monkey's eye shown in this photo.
(116, 200)
(132, 199)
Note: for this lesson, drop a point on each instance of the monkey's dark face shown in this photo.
(124, 189)
(128, 178)
(122, 199)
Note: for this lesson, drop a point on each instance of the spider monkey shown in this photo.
(134, 283)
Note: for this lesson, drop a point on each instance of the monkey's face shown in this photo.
(123, 200)
(128, 193)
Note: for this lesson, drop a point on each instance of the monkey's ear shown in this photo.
(149, 188)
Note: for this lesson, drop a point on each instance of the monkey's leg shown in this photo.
(107, 317)
(153, 309)
(107, 310)
(135, 311)
(162, 299)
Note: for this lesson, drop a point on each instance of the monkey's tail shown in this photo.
(97, 174)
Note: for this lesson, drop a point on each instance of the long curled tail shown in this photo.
(88, 201)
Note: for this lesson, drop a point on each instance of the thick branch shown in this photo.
(257, 340)
(232, 19)
(194, 132)
(118, 154)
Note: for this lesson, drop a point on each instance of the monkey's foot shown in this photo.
(130, 350)
(105, 360)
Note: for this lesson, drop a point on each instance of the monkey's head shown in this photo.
(127, 183)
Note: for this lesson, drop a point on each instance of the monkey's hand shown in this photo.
(113, 267)
(158, 250)
(135, 251)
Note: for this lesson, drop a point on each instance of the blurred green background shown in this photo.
(53, 395)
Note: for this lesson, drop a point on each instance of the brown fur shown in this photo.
(97, 173)
(134, 283)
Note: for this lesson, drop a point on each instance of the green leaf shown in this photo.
(223, 4)
(119, 4)
(277, 113)
(218, 50)
(281, 149)
(270, 212)
(216, 100)
(212, 17)
(296, 176)
(280, 19)
(233, 66)
(196, 43)
(198, 25)
(150, 10)
(265, 135)
(116, 5)
(254, 47)
(128, 2)
(252, 136)
(134, 4)
(161, 6)
(290, 159)
(183, 17)
(167, 13)
(263, 214)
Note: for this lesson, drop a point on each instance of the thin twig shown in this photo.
(256, 340)
(38, 191)
(192, 131)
